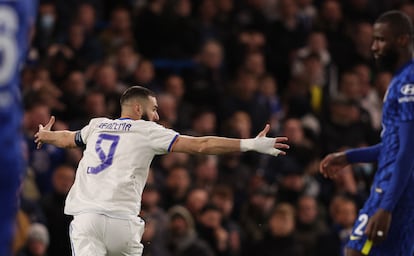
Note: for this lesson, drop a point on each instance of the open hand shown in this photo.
(278, 142)
(47, 127)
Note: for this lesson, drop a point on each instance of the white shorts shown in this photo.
(99, 235)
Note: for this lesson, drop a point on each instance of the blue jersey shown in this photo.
(398, 108)
(16, 20)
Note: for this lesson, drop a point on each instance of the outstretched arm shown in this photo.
(221, 145)
(62, 139)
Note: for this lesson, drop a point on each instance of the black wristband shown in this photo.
(78, 139)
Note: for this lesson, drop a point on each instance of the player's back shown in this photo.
(114, 168)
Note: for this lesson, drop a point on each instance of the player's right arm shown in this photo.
(62, 139)
(335, 162)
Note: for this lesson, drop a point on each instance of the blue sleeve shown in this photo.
(364, 155)
(403, 168)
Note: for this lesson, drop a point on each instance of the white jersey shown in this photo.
(113, 170)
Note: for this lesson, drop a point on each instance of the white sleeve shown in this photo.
(87, 130)
(162, 139)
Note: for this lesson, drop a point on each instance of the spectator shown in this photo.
(145, 74)
(280, 235)
(197, 199)
(167, 110)
(309, 225)
(286, 35)
(156, 220)
(244, 97)
(182, 237)
(119, 31)
(106, 80)
(45, 160)
(206, 25)
(370, 101)
(210, 229)
(206, 82)
(294, 182)
(339, 129)
(87, 18)
(343, 212)
(269, 96)
(52, 205)
(126, 62)
(74, 91)
(37, 241)
(48, 29)
(174, 85)
(255, 213)
(206, 172)
(177, 185)
(182, 36)
(203, 122)
(222, 197)
(150, 29)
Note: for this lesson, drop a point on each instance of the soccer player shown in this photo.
(16, 20)
(106, 196)
(392, 191)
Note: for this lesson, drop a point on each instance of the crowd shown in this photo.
(219, 67)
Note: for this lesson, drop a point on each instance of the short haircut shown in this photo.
(136, 92)
(399, 22)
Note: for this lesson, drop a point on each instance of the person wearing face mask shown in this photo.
(46, 27)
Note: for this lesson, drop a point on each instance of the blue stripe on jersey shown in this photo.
(172, 142)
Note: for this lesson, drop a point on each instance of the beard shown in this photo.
(145, 117)
(388, 61)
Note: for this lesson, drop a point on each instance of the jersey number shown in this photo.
(359, 231)
(106, 159)
(8, 45)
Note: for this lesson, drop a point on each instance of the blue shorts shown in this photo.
(400, 239)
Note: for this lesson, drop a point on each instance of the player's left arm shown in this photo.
(221, 145)
(403, 169)
(62, 139)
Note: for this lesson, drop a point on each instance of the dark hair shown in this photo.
(136, 92)
(398, 21)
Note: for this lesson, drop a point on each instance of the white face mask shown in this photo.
(47, 21)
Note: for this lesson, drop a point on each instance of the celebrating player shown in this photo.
(375, 232)
(16, 21)
(111, 176)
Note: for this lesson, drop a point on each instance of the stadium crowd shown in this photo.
(219, 67)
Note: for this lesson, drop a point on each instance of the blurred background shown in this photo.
(219, 67)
